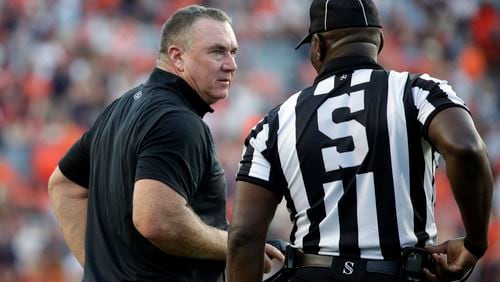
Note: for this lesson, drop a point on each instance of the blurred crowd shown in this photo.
(63, 61)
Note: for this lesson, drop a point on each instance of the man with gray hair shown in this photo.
(141, 196)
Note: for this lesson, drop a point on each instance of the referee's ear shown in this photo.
(316, 52)
(317, 47)
(381, 42)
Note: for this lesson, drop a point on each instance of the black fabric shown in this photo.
(76, 165)
(326, 15)
(154, 131)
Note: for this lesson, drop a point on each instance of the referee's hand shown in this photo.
(452, 261)
(271, 252)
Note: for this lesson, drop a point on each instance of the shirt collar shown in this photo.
(169, 80)
(346, 64)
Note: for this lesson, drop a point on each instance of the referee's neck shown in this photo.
(358, 49)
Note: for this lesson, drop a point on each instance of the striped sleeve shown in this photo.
(254, 166)
(260, 163)
(431, 96)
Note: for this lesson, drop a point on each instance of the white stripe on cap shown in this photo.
(364, 14)
(326, 12)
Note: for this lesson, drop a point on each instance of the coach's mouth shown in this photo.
(224, 81)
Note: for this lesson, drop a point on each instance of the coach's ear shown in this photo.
(174, 54)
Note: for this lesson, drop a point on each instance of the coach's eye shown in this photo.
(218, 53)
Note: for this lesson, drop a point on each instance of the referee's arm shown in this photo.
(467, 167)
(253, 211)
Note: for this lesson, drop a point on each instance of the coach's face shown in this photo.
(209, 59)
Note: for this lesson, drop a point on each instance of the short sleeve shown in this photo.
(256, 165)
(75, 165)
(431, 96)
(174, 151)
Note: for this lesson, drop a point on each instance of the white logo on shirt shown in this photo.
(137, 95)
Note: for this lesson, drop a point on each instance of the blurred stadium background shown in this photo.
(63, 61)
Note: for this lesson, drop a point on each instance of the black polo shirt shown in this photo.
(154, 131)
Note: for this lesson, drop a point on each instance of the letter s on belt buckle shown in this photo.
(348, 268)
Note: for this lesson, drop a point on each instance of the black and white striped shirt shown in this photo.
(352, 158)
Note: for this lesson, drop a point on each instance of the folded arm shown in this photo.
(69, 201)
(163, 216)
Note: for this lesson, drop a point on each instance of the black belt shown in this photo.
(377, 266)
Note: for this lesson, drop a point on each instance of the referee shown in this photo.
(354, 155)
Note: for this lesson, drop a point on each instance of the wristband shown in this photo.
(473, 249)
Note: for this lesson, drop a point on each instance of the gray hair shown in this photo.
(176, 28)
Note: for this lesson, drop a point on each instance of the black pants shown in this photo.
(320, 274)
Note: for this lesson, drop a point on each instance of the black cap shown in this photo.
(326, 15)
